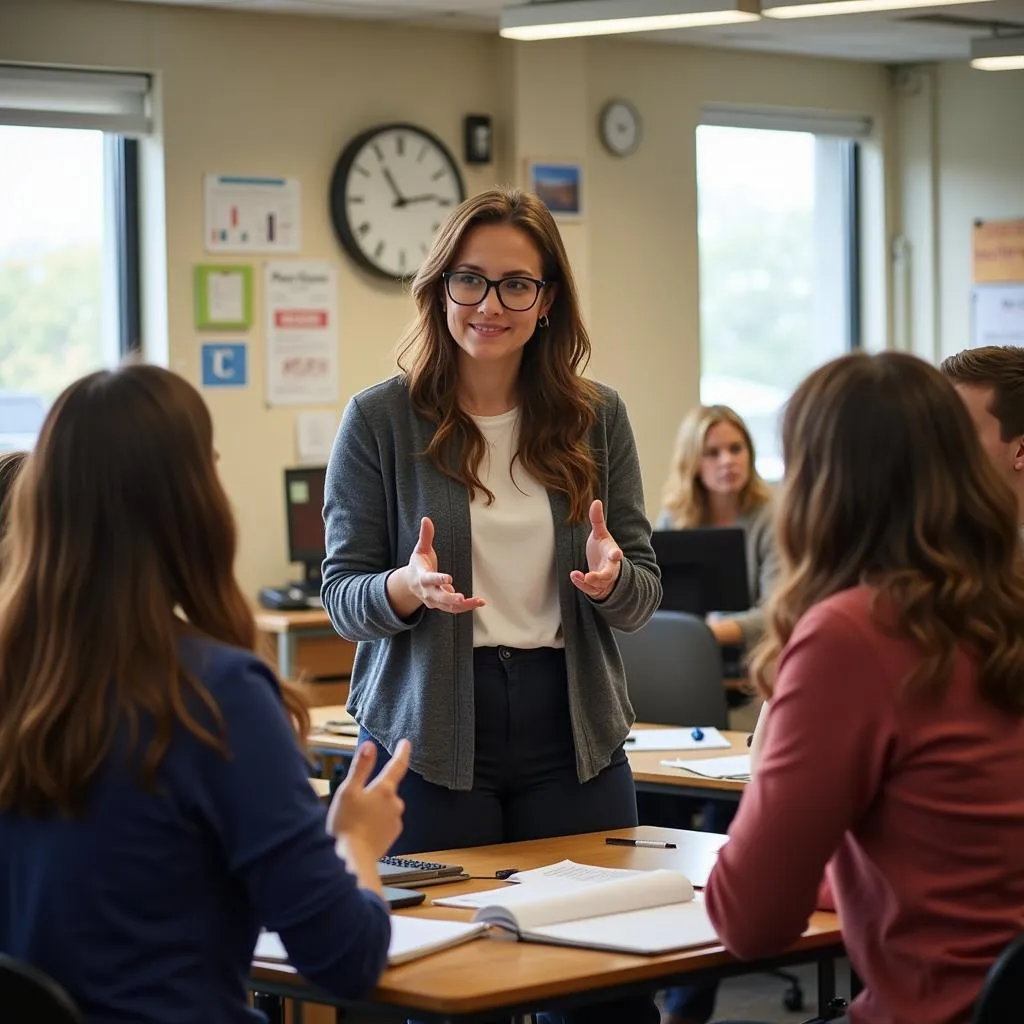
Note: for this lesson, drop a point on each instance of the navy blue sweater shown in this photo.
(146, 908)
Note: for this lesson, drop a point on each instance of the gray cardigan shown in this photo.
(414, 677)
(762, 567)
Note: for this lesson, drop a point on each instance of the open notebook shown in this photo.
(647, 913)
(411, 938)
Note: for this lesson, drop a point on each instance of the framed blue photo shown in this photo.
(559, 186)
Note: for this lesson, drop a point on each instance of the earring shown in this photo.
(542, 320)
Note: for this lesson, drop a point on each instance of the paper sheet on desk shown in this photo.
(675, 739)
(736, 768)
(411, 938)
(552, 880)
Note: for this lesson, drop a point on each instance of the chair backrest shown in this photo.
(28, 996)
(674, 671)
(1002, 996)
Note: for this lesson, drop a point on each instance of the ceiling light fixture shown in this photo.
(998, 53)
(614, 17)
(823, 8)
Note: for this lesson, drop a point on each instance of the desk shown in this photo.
(305, 642)
(490, 978)
(649, 774)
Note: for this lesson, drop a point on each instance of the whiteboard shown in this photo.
(998, 315)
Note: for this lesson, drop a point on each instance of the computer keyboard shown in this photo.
(402, 871)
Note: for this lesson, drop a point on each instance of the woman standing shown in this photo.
(485, 533)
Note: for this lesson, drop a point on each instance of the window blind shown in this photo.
(58, 98)
(818, 122)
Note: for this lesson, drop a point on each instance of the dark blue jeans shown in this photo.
(525, 784)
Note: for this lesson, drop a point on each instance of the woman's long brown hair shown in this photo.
(886, 484)
(120, 540)
(557, 404)
(684, 493)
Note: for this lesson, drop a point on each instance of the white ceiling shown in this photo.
(940, 33)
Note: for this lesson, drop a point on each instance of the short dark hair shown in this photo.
(1001, 368)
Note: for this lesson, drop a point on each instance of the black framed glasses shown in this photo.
(466, 288)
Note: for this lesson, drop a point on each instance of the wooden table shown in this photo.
(489, 978)
(649, 774)
(309, 650)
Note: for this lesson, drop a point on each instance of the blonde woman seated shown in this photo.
(713, 482)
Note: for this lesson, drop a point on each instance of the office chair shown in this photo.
(1002, 996)
(674, 671)
(35, 996)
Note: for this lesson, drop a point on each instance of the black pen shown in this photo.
(650, 844)
(750, 739)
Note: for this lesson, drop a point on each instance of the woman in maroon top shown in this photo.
(894, 666)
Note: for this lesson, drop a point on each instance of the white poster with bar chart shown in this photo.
(252, 214)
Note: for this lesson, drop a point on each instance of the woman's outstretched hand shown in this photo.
(604, 558)
(420, 583)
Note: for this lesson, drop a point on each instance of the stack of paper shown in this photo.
(735, 768)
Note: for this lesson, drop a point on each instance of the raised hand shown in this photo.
(420, 583)
(604, 558)
(370, 814)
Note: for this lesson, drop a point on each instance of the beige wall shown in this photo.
(281, 95)
(960, 155)
(980, 162)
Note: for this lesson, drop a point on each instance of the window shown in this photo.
(69, 283)
(779, 290)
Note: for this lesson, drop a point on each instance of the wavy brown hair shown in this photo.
(10, 467)
(684, 494)
(121, 540)
(558, 405)
(886, 484)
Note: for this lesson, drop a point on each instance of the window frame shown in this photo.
(123, 154)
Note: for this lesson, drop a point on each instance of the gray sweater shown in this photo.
(762, 567)
(414, 677)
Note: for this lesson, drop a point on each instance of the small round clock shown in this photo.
(392, 187)
(620, 127)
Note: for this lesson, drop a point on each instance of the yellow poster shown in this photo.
(999, 251)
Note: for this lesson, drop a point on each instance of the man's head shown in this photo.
(990, 381)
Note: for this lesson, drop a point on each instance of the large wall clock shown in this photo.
(392, 188)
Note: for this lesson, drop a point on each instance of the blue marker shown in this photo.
(697, 734)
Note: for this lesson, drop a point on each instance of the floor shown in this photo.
(758, 997)
(752, 997)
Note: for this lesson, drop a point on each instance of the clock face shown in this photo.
(393, 187)
(620, 127)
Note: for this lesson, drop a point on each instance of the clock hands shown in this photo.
(424, 198)
(399, 198)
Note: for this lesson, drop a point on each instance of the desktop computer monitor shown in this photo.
(304, 504)
(702, 569)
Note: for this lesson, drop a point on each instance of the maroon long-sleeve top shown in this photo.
(917, 808)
